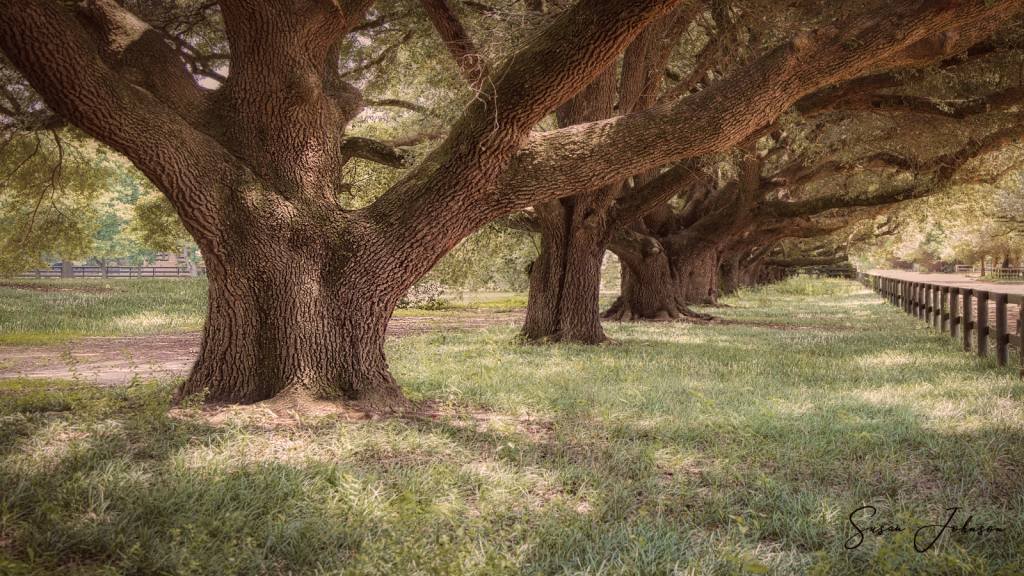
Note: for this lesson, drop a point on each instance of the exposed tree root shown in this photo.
(621, 311)
(559, 337)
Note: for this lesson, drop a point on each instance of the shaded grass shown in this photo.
(691, 449)
(96, 307)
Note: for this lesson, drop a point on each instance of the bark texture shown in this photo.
(565, 280)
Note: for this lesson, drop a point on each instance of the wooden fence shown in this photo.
(963, 312)
(822, 271)
(61, 271)
(997, 273)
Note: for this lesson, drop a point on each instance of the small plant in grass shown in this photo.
(195, 401)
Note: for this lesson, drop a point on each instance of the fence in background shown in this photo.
(822, 272)
(1005, 273)
(68, 271)
(995, 273)
(963, 312)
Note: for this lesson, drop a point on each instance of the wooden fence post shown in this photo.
(954, 312)
(968, 323)
(1020, 337)
(1002, 337)
(928, 303)
(944, 309)
(982, 324)
(922, 301)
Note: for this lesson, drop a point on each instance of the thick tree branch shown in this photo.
(142, 57)
(372, 150)
(959, 109)
(747, 99)
(831, 98)
(944, 166)
(472, 65)
(190, 168)
(396, 103)
(463, 170)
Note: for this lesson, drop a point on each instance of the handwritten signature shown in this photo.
(922, 533)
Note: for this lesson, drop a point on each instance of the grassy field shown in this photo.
(55, 311)
(690, 449)
(58, 310)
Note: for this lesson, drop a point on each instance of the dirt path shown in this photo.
(114, 361)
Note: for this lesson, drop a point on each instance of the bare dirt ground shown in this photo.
(117, 361)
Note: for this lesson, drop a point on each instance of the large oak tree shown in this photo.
(301, 290)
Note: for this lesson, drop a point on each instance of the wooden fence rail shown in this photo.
(952, 309)
(60, 271)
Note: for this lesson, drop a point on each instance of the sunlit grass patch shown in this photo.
(108, 307)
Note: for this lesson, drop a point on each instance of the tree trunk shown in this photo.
(286, 318)
(697, 269)
(730, 274)
(565, 280)
(650, 290)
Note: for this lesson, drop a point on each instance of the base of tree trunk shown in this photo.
(560, 337)
(297, 401)
(621, 311)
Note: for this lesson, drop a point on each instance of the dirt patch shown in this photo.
(117, 361)
(44, 288)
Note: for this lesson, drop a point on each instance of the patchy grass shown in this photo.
(690, 449)
(36, 312)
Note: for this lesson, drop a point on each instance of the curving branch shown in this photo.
(472, 65)
(372, 150)
(384, 55)
(958, 109)
(396, 103)
(944, 167)
(832, 97)
(142, 57)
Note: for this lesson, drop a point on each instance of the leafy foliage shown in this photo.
(48, 194)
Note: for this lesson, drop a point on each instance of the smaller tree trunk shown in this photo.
(698, 271)
(565, 280)
(730, 274)
(650, 290)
